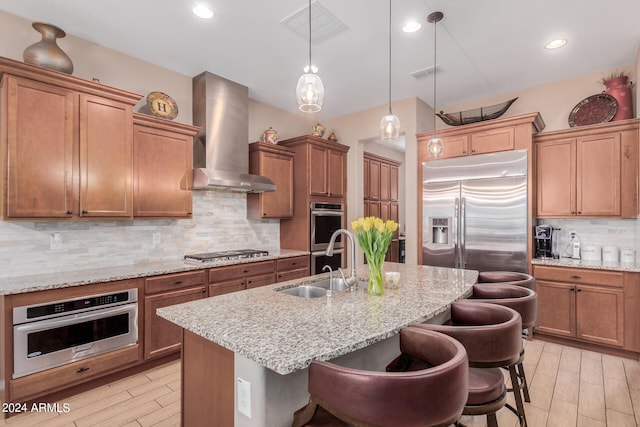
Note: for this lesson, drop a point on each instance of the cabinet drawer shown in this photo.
(576, 275)
(226, 287)
(51, 380)
(292, 274)
(294, 263)
(242, 270)
(255, 282)
(171, 282)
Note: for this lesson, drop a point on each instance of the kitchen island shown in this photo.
(258, 344)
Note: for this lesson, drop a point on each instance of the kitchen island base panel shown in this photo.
(273, 398)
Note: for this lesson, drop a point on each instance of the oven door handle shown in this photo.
(71, 319)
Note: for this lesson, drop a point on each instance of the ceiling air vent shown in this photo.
(324, 23)
(426, 72)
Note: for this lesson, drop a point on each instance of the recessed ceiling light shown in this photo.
(555, 44)
(202, 11)
(411, 27)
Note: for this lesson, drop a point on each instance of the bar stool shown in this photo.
(525, 302)
(507, 277)
(491, 335)
(431, 396)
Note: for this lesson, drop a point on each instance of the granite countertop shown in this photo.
(285, 333)
(593, 265)
(64, 279)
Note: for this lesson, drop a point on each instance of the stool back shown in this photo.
(522, 300)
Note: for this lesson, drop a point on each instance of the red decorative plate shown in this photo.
(598, 108)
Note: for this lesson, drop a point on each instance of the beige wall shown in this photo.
(289, 125)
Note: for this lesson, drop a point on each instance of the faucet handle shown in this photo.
(330, 278)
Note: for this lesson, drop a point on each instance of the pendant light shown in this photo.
(389, 125)
(310, 90)
(435, 146)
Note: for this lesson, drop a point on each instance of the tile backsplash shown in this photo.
(623, 233)
(219, 223)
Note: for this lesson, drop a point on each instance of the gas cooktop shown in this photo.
(225, 255)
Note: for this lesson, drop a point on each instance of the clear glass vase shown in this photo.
(375, 276)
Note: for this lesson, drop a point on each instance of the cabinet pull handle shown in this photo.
(82, 369)
(203, 290)
(579, 290)
(572, 289)
(579, 212)
(245, 271)
(178, 282)
(575, 276)
(84, 211)
(473, 151)
(69, 212)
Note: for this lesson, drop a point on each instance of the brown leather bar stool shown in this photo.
(507, 277)
(434, 395)
(525, 302)
(491, 335)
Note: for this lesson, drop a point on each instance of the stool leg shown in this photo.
(515, 387)
(492, 421)
(523, 382)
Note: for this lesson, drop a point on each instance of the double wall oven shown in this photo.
(55, 333)
(325, 219)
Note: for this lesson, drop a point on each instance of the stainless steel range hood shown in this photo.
(221, 150)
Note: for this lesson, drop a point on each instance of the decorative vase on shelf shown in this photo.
(620, 88)
(374, 237)
(46, 53)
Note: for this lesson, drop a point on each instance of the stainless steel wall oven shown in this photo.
(55, 333)
(325, 219)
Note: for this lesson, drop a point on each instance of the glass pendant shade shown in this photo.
(389, 127)
(310, 93)
(435, 147)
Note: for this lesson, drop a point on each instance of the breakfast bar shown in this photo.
(245, 355)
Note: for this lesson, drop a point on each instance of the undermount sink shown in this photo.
(305, 291)
(337, 285)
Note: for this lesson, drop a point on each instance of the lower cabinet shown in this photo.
(161, 336)
(588, 305)
(292, 268)
(223, 280)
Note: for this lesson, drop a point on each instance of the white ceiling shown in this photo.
(485, 47)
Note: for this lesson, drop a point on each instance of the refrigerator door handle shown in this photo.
(456, 233)
(463, 232)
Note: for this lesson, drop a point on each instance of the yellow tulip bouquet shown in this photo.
(374, 237)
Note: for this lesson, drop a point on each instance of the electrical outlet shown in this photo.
(156, 237)
(55, 241)
(573, 234)
(244, 397)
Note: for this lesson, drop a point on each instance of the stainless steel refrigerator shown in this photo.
(475, 212)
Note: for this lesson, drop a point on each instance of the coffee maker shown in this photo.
(544, 241)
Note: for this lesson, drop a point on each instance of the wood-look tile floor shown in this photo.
(568, 387)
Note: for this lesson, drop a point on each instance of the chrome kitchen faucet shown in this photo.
(352, 280)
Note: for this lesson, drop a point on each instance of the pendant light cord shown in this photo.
(390, 113)
(310, 66)
(435, 74)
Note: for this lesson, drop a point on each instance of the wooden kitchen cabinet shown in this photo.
(162, 167)
(238, 277)
(587, 305)
(483, 137)
(67, 145)
(292, 268)
(161, 336)
(276, 163)
(589, 171)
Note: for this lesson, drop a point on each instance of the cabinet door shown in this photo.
(374, 180)
(600, 315)
(227, 287)
(494, 140)
(374, 209)
(257, 281)
(366, 184)
(279, 203)
(40, 138)
(106, 151)
(454, 146)
(394, 182)
(556, 308)
(161, 173)
(385, 181)
(336, 173)
(556, 178)
(393, 254)
(160, 335)
(598, 175)
(318, 166)
(385, 211)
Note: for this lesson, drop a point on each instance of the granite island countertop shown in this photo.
(285, 333)
(68, 278)
(591, 265)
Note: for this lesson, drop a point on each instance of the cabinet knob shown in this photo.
(579, 290)
(572, 289)
(69, 212)
(178, 282)
(82, 369)
(203, 290)
(84, 211)
(245, 271)
(579, 213)
(574, 276)
(473, 151)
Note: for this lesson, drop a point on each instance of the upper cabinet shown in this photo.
(484, 137)
(324, 163)
(590, 171)
(162, 168)
(276, 163)
(66, 145)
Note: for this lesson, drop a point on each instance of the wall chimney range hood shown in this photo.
(221, 149)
